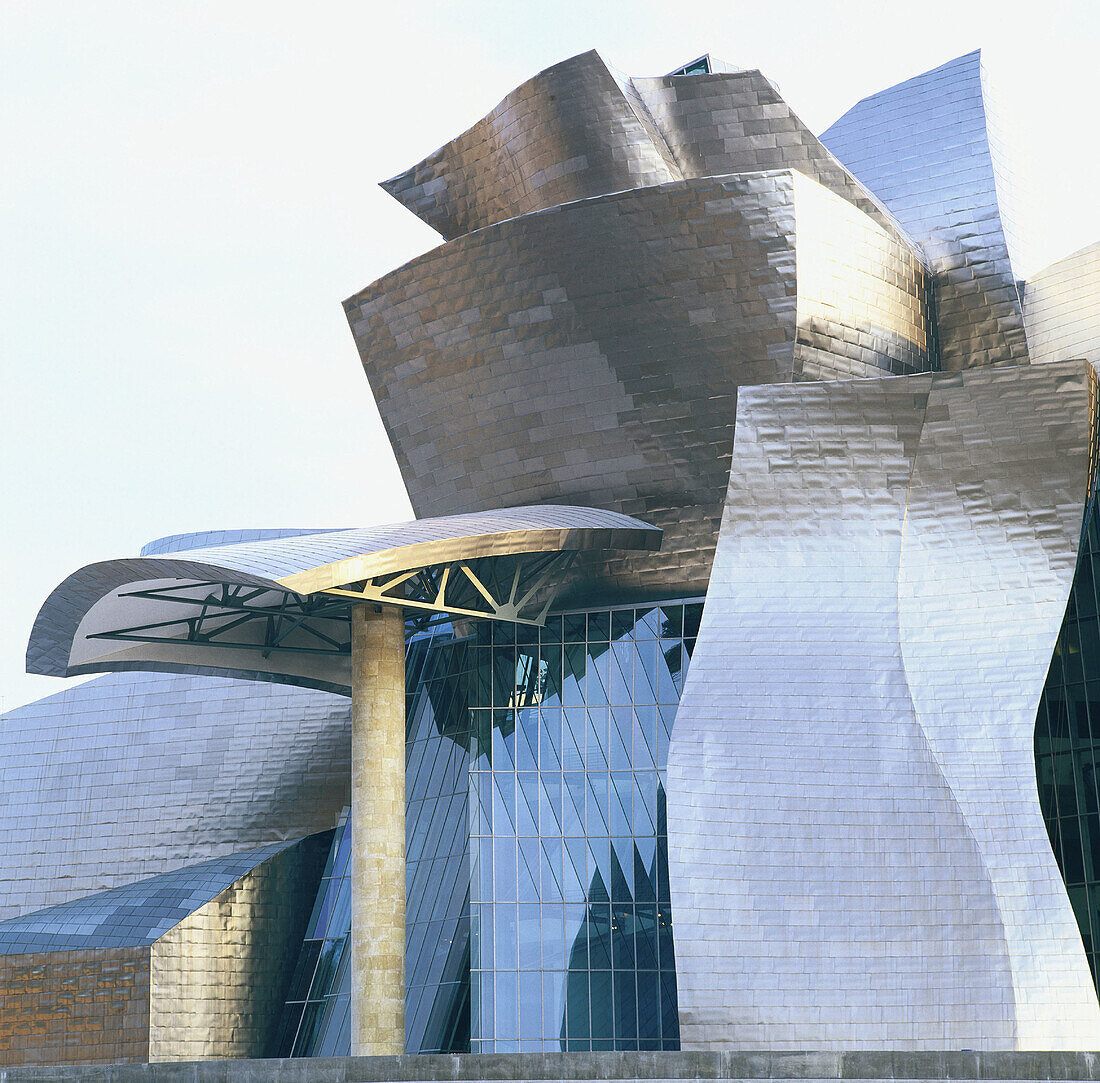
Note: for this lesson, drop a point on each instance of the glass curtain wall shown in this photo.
(571, 937)
(537, 876)
(437, 1002)
(1067, 744)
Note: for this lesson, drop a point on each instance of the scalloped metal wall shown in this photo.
(857, 853)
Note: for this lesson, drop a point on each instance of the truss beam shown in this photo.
(517, 589)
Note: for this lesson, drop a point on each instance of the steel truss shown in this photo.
(519, 589)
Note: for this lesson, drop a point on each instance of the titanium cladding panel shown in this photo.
(581, 129)
(218, 979)
(591, 353)
(114, 615)
(1062, 308)
(862, 295)
(857, 854)
(84, 1007)
(189, 965)
(736, 122)
(924, 148)
(566, 134)
(136, 913)
(132, 775)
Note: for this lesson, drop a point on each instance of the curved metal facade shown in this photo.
(858, 856)
(736, 122)
(134, 775)
(133, 915)
(855, 854)
(205, 539)
(568, 133)
(923, 147)
(172, 612)
(591, 353)
(581, 129)
(127, 975)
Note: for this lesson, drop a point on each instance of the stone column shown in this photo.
(378, 839)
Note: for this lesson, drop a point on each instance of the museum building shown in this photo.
(732, 688)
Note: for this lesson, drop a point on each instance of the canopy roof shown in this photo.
(278, 608)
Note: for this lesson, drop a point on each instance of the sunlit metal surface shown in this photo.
(205, 539)
(75, 1007)
(737, 122)
(133, 775)
(929, 148)
(591, 353)
(186, 966)
(565, 134)
(517, 590)
(1062, 308)
(623, 254)
(857, 853)
(581, 129)
(277, 608)
(135, 914)
(218, 979)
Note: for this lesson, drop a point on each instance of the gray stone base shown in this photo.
(567, 1067)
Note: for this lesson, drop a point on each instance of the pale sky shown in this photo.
(189, 192)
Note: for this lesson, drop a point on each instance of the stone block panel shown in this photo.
(75, 1007)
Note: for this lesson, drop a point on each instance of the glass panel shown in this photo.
(527, 739)
(599, 626)
(288, 1029)
(309, 1030)
(550, 739)
(568, 881)
(599, 674)
(303, 974)
(528, 802)
(506, 934)
(507, 1008)
(529, 940)
(551, 871)
(504, 867)
(573, 798)
(1067, 744)
(550, 814)
(574, 878)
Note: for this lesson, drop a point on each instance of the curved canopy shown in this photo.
(278, 608)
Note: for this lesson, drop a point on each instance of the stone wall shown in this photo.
(68, 1007)
(868, 1067)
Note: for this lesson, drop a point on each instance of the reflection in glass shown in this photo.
(1067, 745)
(537, 869)
(580, 715)
(316, 1020)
